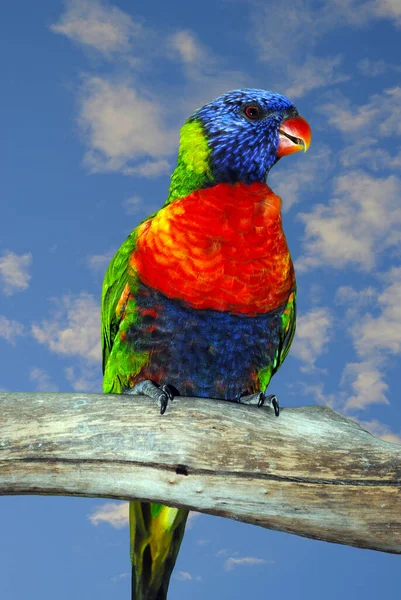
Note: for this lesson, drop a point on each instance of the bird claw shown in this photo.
(259, 399)
(162, 394)
(270, 400)
(164, 397)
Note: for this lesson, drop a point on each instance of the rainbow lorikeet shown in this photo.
(200, 298)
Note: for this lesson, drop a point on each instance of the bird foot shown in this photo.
(161, 393)
(260, 399)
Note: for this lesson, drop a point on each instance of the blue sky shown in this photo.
(93, 95)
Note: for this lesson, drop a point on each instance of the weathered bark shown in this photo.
(311, 471)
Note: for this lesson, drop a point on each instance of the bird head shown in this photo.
(237, 137)
(248, 131)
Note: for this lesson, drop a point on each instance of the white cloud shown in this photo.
(360, 221)
(280, 33)
(84, 377)
(285, 37)
(43, 380)
(149, 168)
(366, 127)
(133, 205)
(314, 72)
(232, 562)
(369, 153)
(74, 328)
(375, 326)
(355, 300)
(312, 336)
(374, 68)
(388, 9)
(99, 262)
(10, 329)
(290, 182)
(191, 518)
(14, 274)
(381, 430)
(205, 74)
(120, 577)
(381, 116)
(183, 576)
(291, 29)
(123, 124)
(315, 391)
(188, 48)
(366, 380)
(382, 332)
(115, 514)
(97, 25)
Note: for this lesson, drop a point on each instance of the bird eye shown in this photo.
(253, 112)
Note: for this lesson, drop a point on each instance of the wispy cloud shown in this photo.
(42, 380)
(133, 205)
(232, 562)
(313, 73)
(97, 25)
(380, 116)
(10, 330)
(125, 129)
(113, 513)
(206, 73)
(120, 577)
(14, 276)
(183, 576)
(313, 333)
(355, 300)
(381, 430)
(316, 392)
(368, 152)
(286, 36)
(188, 49)
(293, 183)
(84, 376)
(382, 332)
(73, 328)
(99, 262)
(358, 222)
(292, 30)
(374, 68)
(193, 515)
(374, 323)
(128, 128)
(366, 380)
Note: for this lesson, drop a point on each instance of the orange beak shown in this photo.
(294, 135)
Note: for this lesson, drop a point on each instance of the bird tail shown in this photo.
(156, 533)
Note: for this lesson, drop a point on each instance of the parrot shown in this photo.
(200, 299)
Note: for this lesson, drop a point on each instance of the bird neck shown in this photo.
(192, 171)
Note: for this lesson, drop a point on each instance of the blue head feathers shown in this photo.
(242, 129)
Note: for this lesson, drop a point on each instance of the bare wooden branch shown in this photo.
(311, 471)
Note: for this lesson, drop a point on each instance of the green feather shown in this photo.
(193, 170)
(288, 320)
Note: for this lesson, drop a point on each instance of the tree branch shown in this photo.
(311, 471)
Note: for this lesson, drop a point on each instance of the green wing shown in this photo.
(287, 332)
(288, 321)
(118, 275)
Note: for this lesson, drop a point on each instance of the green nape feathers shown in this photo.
(192, 171)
